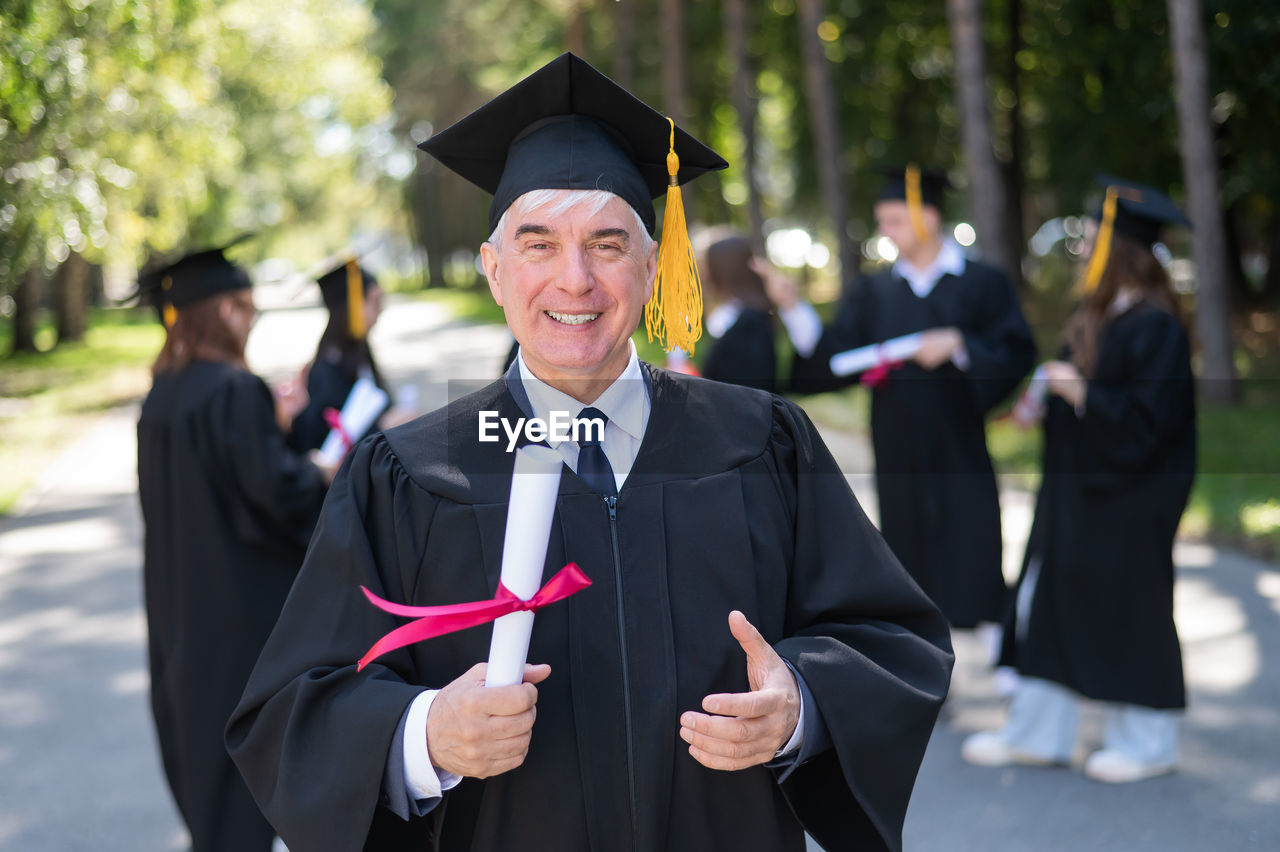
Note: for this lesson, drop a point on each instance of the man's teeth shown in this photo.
(571, 319)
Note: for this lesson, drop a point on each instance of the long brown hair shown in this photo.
(729, 276)
(200, 332)
(1131, 267)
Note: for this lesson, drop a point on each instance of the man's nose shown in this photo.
(575, 276)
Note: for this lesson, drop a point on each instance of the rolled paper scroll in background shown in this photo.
(865, 357)
(1030, 406)
(534, 485)
(363, 406)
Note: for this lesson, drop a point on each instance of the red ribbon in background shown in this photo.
(435, 621)
(333, 417)
(878, 376)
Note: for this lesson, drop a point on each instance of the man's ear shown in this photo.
(650, 271)
(489, 262)
(225, 310)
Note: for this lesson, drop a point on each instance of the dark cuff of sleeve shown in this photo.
(816, 739)
(395, 793)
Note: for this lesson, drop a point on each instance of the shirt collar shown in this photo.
(722, 317)
(950, 261)
(625, 402)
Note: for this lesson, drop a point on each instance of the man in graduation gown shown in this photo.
(939, 506)
(227, 509)
(749, 659)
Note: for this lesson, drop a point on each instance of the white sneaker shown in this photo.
(988, 748)
(1115, 767)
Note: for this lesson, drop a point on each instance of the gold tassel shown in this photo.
(915, 203)
(169, 314)
(355, 300)
(674, 313)
(1102, 242)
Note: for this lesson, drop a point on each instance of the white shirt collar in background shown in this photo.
(950, 261)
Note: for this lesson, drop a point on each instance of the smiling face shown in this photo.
(573, 286)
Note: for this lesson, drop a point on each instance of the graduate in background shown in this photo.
(354, 301)
(665, 719)
(939, 507)
(1093, 613)
(740, 318)
(228, 509)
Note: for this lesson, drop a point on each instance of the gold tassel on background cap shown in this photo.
(355, 300)
(1102, 242)
(915, 203)
(674, 314)
(169, 312)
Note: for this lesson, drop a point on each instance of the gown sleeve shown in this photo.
(326, 388)
(873, 650)
(850, 329)
(1127, 412)
(999, 344)
(275, 491)
(311, 735)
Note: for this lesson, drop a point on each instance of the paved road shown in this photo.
(79, 769)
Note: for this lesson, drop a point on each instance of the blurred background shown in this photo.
(133, 131)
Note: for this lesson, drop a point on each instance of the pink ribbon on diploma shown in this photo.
(433, 621)
(878, 376)
(333, 417)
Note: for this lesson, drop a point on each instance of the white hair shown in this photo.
(559, 202)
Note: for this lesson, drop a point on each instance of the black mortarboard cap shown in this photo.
(567, 126)
(335, 284)
(1141, 211)
(196, 277)
(933, 185)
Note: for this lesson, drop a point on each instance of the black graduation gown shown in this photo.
(733, 502)
(228, 510)
(1115, 484)
(939, 505)
(329, 383)
(744, 355)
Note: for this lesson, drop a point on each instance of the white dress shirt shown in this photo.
(626, 404)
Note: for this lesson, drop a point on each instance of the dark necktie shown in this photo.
(593, 465)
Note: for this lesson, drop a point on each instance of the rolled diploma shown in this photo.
(534, 485)
(1030, 405)
(865, 357)
(365, 402)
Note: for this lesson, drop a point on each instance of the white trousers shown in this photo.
(1043, 718)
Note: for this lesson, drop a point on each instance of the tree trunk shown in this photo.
(575, 35)
(624, 52)
(71, 298)
(1200, 174)
(826, 136)
(673, 78)
(1012, 172)
(744, 103)
(986, 186)
(26, 301)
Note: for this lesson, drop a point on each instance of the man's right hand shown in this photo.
(478, 731)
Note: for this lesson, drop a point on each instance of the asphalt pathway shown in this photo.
(78, 763)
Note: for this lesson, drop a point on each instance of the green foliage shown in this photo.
(131, 127)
